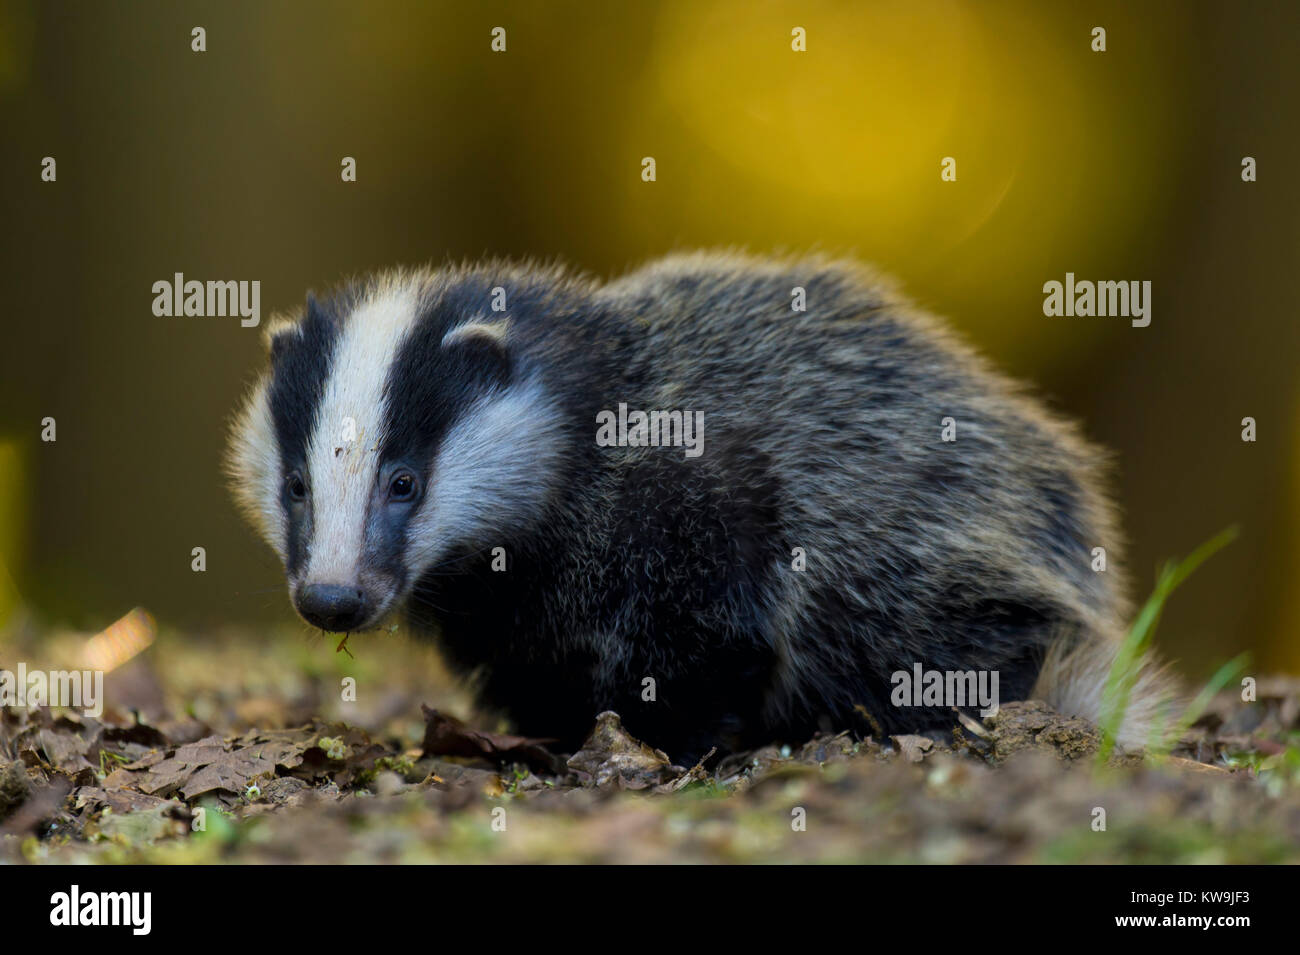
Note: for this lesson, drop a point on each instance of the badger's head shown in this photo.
(396, 425)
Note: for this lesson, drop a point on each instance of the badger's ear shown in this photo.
(485, 344)
(281, 329)
(276, 335)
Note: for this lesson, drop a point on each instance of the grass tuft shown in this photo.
(1127, 667)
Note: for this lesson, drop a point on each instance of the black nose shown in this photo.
(331, 607)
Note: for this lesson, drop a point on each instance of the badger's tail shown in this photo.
(1073, 680)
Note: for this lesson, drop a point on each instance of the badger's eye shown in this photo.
(402, 487)
(296, 488)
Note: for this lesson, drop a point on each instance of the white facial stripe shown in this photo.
(344, 452)
(491, 473)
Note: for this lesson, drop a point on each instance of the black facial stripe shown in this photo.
(300, 524)
(428, 385)
(300, 363)
(386, 538)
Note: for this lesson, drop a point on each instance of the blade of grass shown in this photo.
(1127, 666)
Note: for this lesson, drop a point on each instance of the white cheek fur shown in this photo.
(492, 473)
(253, 463)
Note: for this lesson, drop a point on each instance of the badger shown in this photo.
(867, 497)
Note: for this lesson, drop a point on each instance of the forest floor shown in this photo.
(277, 748)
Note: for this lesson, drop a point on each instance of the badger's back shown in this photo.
(969, 553)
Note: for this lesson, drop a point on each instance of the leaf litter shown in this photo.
(416, 784)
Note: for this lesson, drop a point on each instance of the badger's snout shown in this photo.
(332, 607)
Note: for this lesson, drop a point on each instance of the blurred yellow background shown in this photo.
(225, 165)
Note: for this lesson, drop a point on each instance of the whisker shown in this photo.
(455, 560)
